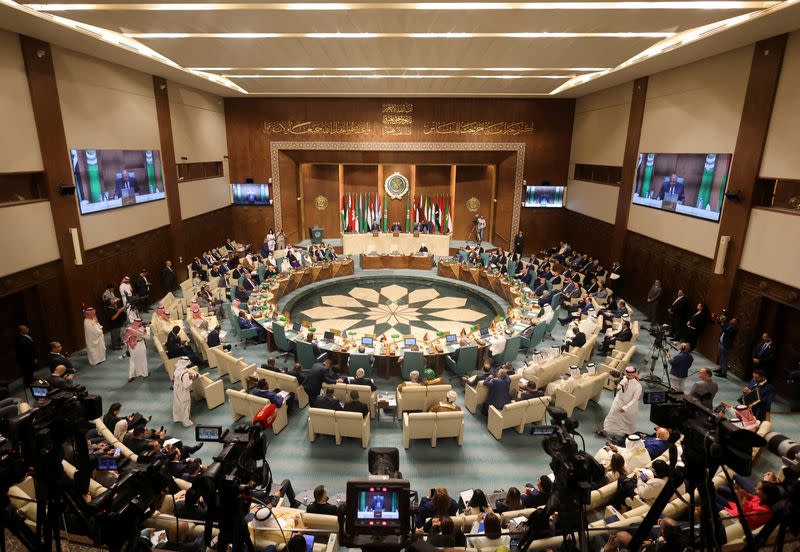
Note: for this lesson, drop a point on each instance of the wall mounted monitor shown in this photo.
(251, 194)
(108, 179)
(543, 196)
(686, 183)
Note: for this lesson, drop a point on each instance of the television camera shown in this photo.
(709, 442)
(36, 439)
(573, 471)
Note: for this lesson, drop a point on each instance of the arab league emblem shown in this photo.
(473, 204)
(396, 186)
(321, 203)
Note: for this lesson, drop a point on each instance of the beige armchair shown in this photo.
(516, 414)
(474, 396)
(212, 391)
(433, 425)
(243, 404)
(340, 424)
(285, 382)
(169, 363)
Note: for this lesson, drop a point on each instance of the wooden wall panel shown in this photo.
(251, 223)
(205, 232)
(321, 180)
(471, 181)
(754, 304)
(110, 262)
(170, 170)
(504, 205)
(589, 235)
(629, 158)
(290, 204)
(542, 228)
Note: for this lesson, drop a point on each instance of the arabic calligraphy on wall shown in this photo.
(483, 128)
(397, 108)
(319, 128)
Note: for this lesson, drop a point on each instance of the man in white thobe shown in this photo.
(134, 340)
(624, 412)
(181, 392)
(125, 290)
(95, 340)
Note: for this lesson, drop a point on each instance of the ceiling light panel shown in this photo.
(352, 23)
(403, 52)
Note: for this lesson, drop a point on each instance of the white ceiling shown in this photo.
(553, 48)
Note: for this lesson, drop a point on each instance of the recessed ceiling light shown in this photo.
(400, 35)
(399, 6)
(373, 76)
(386, 69)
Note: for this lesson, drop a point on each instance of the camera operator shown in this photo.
(679, 367)
(61, 378)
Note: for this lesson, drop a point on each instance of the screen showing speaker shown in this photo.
(108, 179)
(543, 196)
(687, 183)
(251, 194)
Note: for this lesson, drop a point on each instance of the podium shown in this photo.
(317, 233)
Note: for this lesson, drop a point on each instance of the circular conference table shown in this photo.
(387, 350)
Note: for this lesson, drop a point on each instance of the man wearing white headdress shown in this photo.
(624, 412)
(95, 340)
(181, 392)
(134, 340)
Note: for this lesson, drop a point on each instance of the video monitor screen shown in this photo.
(251, 194)
(543, 196)
(39, 391)
(205, 434)
(107, 463)
(328, 336)
(296, 326)
(366, 341)
(108, 179)
(484, 331)
(378, 506)
(451, 338)
(686, 183)
(410, 341)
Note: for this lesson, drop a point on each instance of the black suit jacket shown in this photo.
(329, 403)
(26, 352)
(680, 309)
(315, 378)
(54, 360)
(624, 334)
(766, 358)
(140, 287)
(168, 279)
(357, 406)
(213, 338)
(119, 185)
(578, 340)
(364, 381)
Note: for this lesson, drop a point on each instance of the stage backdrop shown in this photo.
(544, 127)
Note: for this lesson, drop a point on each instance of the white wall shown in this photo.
(19, 143)
(764, 252)
(107, 106)
(27, 236)
(594, 200)
(198, 131)
(202, 196)
(696, 108)
(685, 232)
(601, 126)
(781, 150)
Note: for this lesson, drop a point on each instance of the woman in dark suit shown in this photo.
(696, 324)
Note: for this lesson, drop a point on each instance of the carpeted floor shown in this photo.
(482, 462)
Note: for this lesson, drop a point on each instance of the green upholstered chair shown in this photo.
(413, 360)
(305, 354)
(556, 299)
(512, 268)
(242, 334)
(281, 341)
(553, 322)
(512, 349)
(462, 256)
(359, 360)
(466, 362)
(485, 259)
(262, 270)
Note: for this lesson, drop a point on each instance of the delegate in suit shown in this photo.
(125, 185)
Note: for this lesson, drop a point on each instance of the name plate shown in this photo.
(396, 234)
(416, 234)
(375, 234)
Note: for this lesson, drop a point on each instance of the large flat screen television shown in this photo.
(687, 183)
(543, 196)
(107, 179)
(251, 194)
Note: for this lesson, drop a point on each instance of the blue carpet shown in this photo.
(482, 462)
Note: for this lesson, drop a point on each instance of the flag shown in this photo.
(648, 174)
(150, 169)
(447, 222)
(385, 215)
(704, 195)
(342, 215)
(93, 172)
(408, 213)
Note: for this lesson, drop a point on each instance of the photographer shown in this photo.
(679, 367)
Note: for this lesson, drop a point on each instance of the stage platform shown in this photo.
(454, 244)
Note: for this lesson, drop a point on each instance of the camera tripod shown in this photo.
(473, 234)
(658, 351)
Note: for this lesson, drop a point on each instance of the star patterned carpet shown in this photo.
(389, 305)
